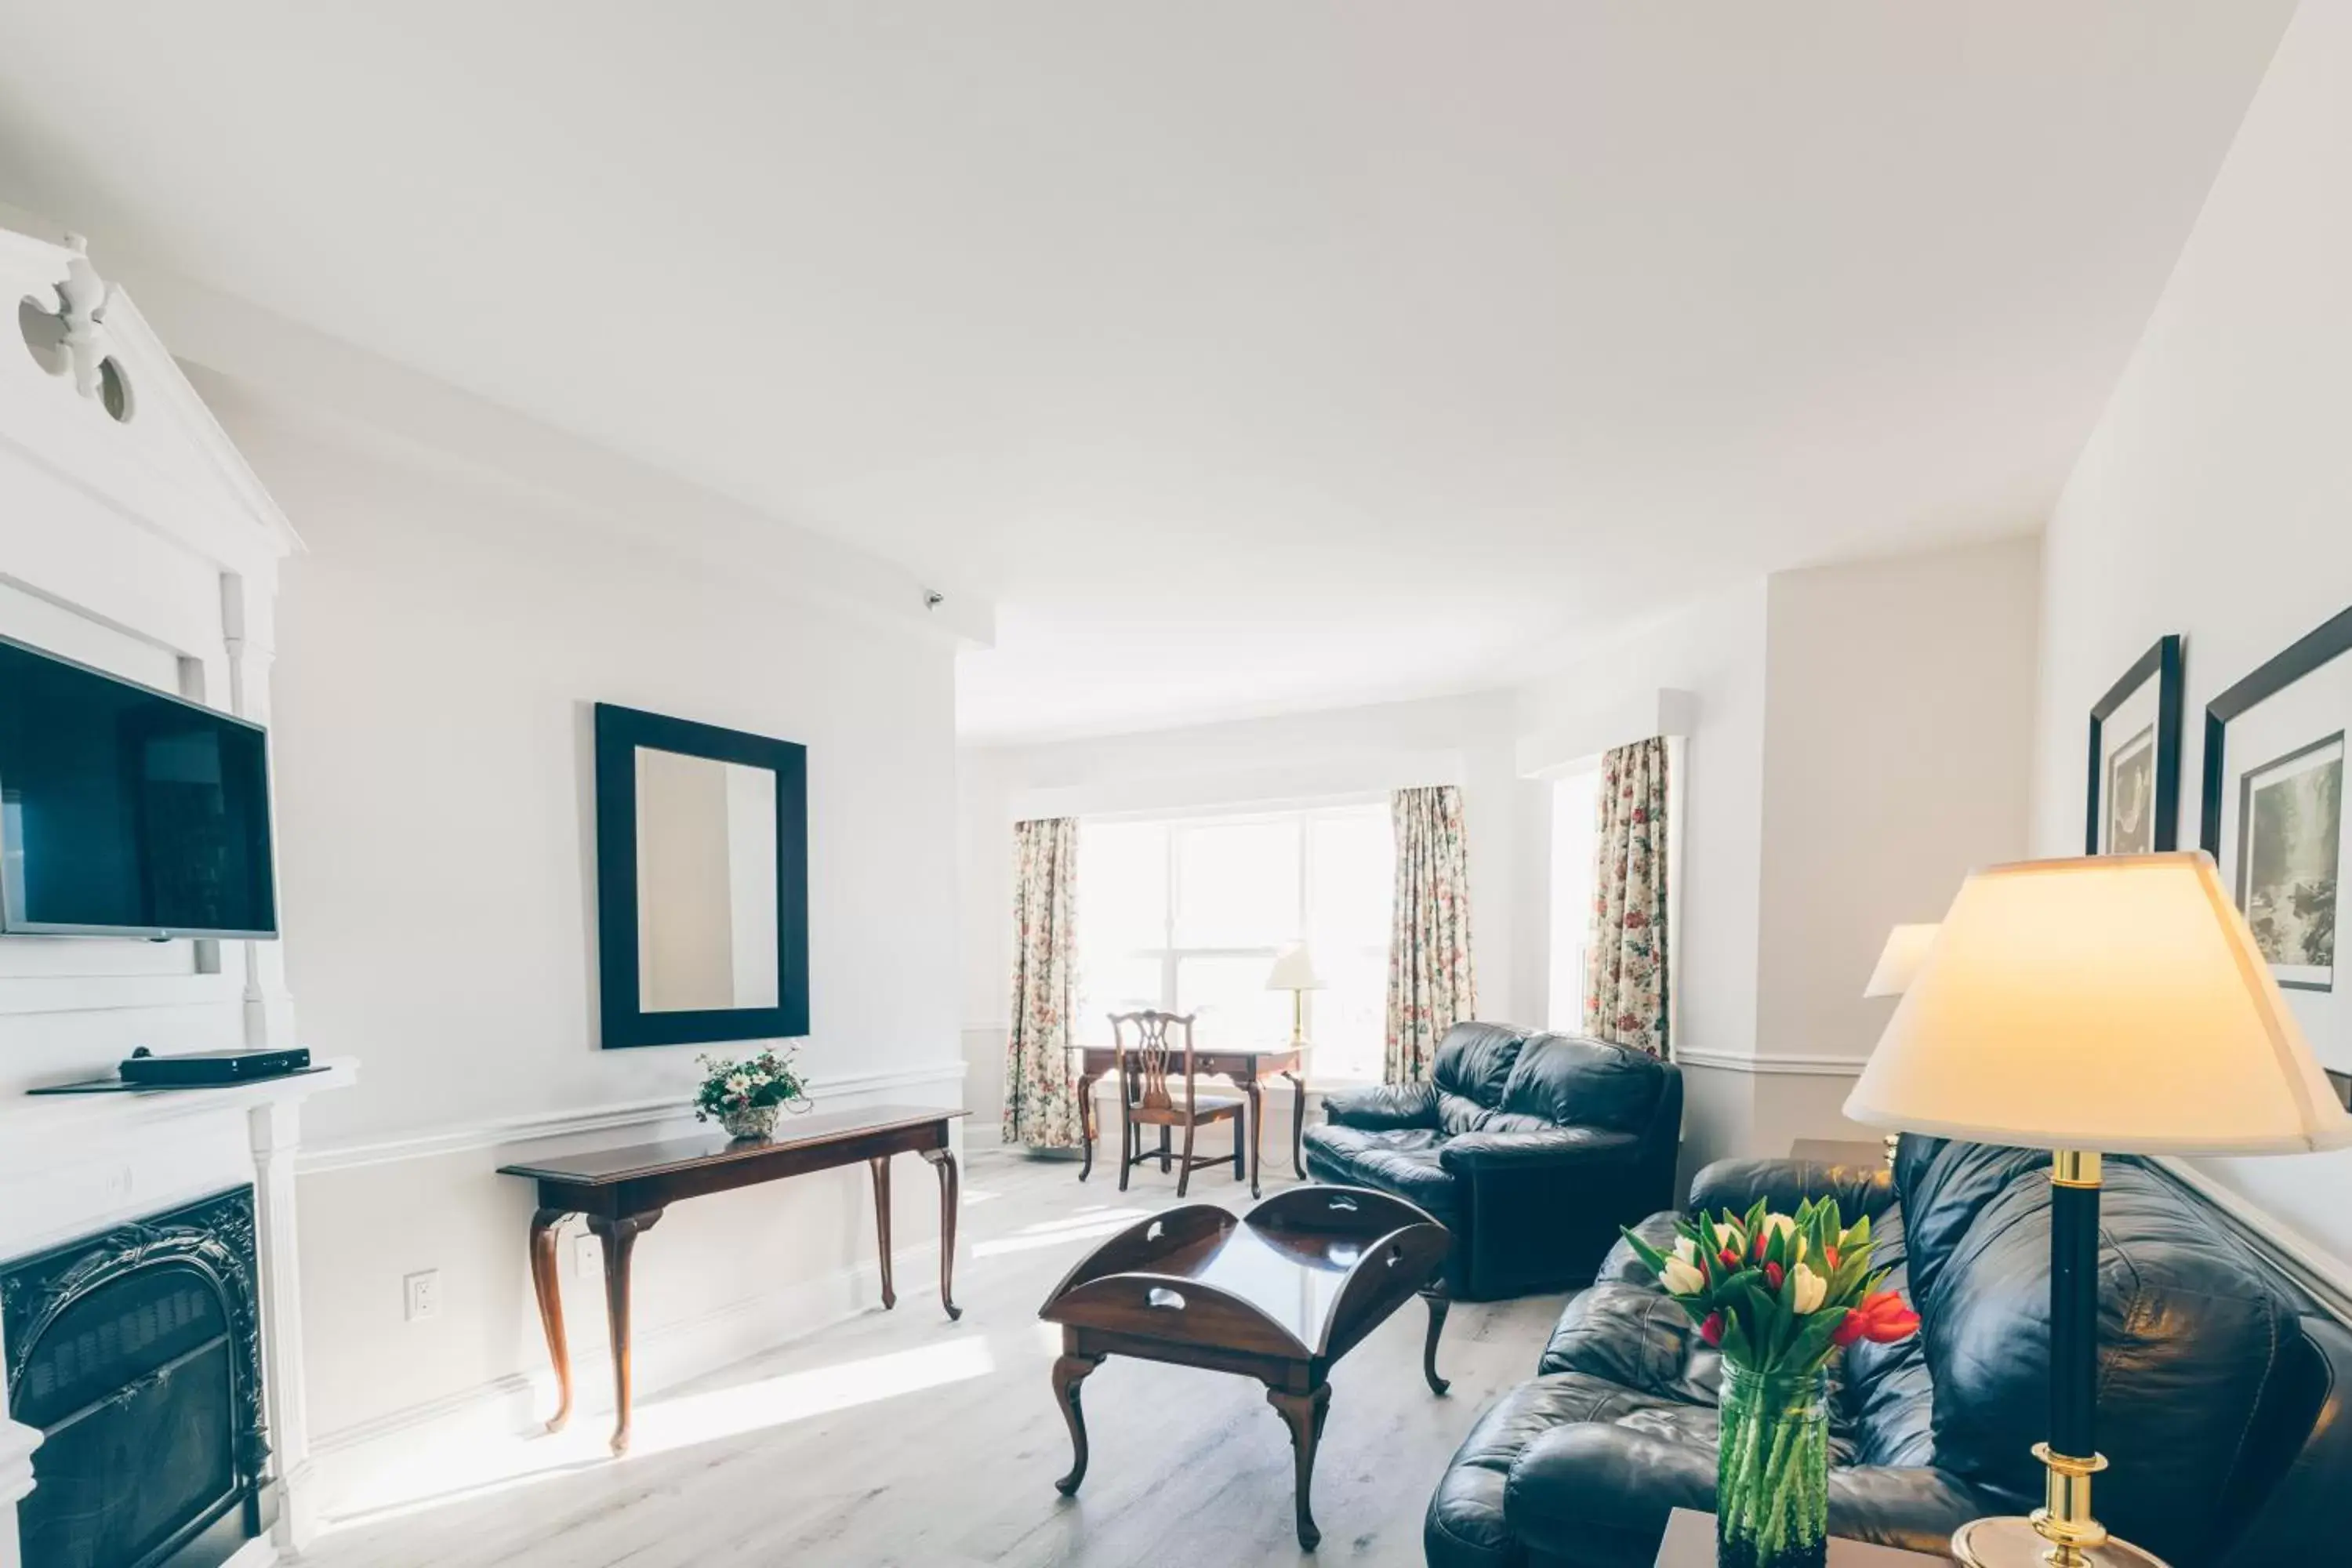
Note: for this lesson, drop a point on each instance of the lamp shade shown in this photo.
(2116, 1003)
(1899, 959)
(1294, 971)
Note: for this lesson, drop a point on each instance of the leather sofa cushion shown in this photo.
(1403, 1161)
(1561, 1078)
(2191, 1337)
(1472, 1064)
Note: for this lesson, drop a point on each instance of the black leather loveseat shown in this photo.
(2222, 1389)
(1532, 1149)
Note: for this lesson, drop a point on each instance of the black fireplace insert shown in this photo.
(137, 1355)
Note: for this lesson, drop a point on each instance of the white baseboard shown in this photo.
(350, 1459)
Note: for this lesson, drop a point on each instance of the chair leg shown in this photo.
(1184, 1172)
(1164, 1166)
(1125, 1141)
(1241, 1147)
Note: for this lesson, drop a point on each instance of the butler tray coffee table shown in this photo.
(1278, 1294)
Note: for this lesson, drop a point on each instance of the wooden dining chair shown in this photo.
(1151, 1068)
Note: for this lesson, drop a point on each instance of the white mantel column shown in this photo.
(17, 1444)
(277, 1136)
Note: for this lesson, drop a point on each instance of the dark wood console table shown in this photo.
(1245, 1068)
(623, 1190)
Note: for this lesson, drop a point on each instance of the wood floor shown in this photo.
(898, 1438)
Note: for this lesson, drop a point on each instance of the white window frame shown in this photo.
(1171, 955)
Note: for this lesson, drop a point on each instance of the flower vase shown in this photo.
(1771, 1485)
(753, 1122)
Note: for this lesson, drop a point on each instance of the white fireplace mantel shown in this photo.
(74, 1166)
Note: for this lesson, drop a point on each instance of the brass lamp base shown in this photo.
(2014, 1542)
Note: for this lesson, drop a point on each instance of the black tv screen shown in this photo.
(125, 811)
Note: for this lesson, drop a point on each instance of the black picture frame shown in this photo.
(2162, 663)
(2312, 652)
(619, 732)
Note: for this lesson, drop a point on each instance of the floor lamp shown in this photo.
(2112, 1004)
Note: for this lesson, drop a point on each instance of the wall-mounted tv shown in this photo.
(125, 811)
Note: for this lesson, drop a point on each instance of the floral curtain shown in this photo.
(1041, 1088)
(1625, 971)
(1430, 982)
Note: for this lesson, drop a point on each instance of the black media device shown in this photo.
(199, 1068)
(126, 811)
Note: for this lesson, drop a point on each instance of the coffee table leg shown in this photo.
(620, 1239)
(1303, 1414)
(1069, 1372)
(1439, 1305)
(950, 1189)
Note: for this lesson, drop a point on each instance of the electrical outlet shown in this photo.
(421, 1295)
(587, 1258)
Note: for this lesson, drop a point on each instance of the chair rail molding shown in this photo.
(1776, 1065)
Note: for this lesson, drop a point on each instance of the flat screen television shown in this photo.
(125, 811)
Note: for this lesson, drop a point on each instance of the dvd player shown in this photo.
(197, 1067)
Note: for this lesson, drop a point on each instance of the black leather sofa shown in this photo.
(2222, 1401)
(1532, 1149)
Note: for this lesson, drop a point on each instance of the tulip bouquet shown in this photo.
(1778, 1294)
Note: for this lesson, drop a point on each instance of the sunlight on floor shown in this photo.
(1089, 1224)
(459, 1471)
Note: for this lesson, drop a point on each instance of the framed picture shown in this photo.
(2135, 785)
(2273, 819)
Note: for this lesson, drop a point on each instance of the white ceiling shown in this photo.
(1247, 353)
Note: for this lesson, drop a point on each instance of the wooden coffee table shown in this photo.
(1278, 1294)
(1690, 1543)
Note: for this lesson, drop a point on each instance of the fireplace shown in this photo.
(136, 1355)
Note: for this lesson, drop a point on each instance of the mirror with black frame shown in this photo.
(702, 881)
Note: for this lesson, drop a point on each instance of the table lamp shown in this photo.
(1294, 972)
(1898, 962)
(2116, 1003)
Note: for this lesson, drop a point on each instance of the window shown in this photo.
(1575, 829)
(1188, 915)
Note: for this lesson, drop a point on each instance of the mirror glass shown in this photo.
(705, 884)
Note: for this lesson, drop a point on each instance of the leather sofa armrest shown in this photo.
(1474, 1153)
(1383, 1108)
(1736, 1184)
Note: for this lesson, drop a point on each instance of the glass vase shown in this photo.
(1771, 1473)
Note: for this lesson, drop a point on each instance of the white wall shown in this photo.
(2215, 497)
(1898, 757)
(440, 646)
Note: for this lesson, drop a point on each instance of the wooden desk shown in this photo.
(1690, 1543)
(1245, 1069)
(623, 1190)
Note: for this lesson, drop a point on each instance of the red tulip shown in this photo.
(1711, 1330)
(1773, 1275)
(1882, 1319)
(1728, 1257)
(1830, 1253)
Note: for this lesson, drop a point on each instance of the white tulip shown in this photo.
(1682, 1277)
(1686, 1250)
(1807, 1290)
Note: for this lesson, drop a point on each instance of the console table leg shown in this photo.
(1439, 1305)
(545, 1285)
(1069, 1372)
(882, 1226)
(950, 1201)
(1303, 1414)
(620, 1239)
